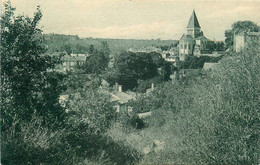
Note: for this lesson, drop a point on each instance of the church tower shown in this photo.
(193, 42)
(193, 28)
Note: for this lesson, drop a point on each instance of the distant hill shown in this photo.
(60, 42)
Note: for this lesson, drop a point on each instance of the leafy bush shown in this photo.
(129, 67)
(33, 143)
(194, 62)
(26, 85)
(221, 123)
(143, 85)
(35, 128)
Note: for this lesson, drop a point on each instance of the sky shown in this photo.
(138, 19)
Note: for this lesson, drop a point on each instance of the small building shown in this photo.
(120, 99)
(242, 39)
(71, 62)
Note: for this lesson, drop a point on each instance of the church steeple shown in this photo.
(193, 22)
(193, 27)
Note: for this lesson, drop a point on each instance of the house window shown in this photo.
(72, 63)
(185, 46)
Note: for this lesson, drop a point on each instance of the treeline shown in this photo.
(59, 43)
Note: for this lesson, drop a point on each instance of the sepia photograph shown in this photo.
(130, 82)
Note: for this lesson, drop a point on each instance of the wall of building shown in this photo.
(194, 32)
(186, 47)
(239, 42)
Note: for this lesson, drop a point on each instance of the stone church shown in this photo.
(193, 42)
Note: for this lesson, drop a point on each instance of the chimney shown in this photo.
(152, 86)
(116, 86)
(119, 88)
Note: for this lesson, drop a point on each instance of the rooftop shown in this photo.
(187, 37)
(193, 22)
(122, 97)
(74, 58)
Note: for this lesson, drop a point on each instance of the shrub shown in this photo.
(220, 125)
(33, 143)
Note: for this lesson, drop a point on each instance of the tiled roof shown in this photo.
(74, 58)
(187, 37)
(122, 97)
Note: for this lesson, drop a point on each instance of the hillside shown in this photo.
(59, 42)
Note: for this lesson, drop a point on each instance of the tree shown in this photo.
(105, 48)
(229, 38)
(81, 49)
(91, 109)
(131, 66)
(238, 27)
(193, 62)
(68, 49)
(211, 46)
(244, 26)
(91, 49)
(26, 85)
(96, 62)
(220, 46)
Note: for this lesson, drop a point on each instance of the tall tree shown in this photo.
(244, 26)
(27, 86)
(238, 27)
(105, 48)
(96, 62)
(129, 67)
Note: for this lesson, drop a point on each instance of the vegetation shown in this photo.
(35, 127)
(58, 42)
(238, 27)
(215, 46)
(25, 81)
(193, 62)
(130, 67)
(204, 118)
(96, 62)
(210, 120)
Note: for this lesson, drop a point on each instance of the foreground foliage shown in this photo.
(35, 128)
(211, 120)
(25, 80)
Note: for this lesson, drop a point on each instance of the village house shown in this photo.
(71, 62)
(242, 39)
(120, 99)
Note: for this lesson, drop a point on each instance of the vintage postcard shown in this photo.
(130, 82)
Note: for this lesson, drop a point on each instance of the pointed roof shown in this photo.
(193, 22)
